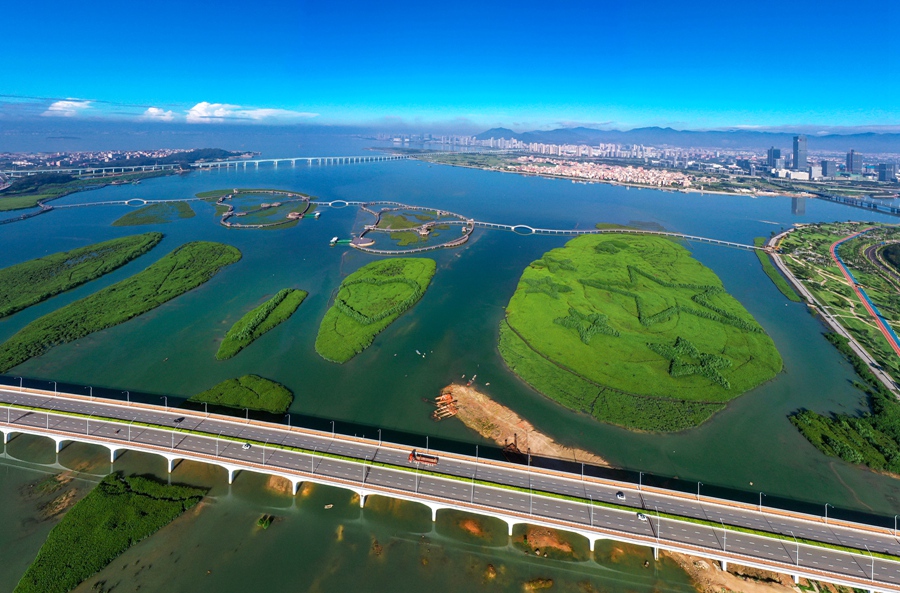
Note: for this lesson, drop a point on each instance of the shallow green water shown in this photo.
(172, 349)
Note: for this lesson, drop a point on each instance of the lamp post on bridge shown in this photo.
(640, 480)
(127, 396)
(289, 420)
(20, 383)
(165, 401)
(55, 392)
(332, 430)
(530, 491)
(798, 546)
(698, 489)
(873, 561)
(91, 391)
(591, 508)
(761, 494)
(826, 511)
(474, 475)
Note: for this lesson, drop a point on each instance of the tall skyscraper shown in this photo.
(800, 163)
(829, 168)
(854, 162)
(887, 172)
(772, 155)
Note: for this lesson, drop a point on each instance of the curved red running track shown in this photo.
(862, 299)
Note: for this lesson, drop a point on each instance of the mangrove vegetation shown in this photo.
(248, 392)
(36, 280)
(871, 439)
(260, 320)
(182, 270)
(114, 516)
(633, 331)
(159, 213)
(368, 301)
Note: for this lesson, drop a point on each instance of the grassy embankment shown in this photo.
(873, 439)
(28, 191)
(184, 269)
(806, 253)
(156, 214)
(117, 514)
(36, 280)
(772, 272)
(260, 320)
(249, 391)
(368, 301)
(633, 331)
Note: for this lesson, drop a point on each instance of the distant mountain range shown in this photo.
(733, 139)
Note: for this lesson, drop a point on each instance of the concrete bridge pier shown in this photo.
(655, 551)
(59, 443)
(796, 579)
(363, 494)
(113, 453)
(724, 565)
(295, 486)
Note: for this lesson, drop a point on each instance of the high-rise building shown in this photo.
(829, 168)
(854, 162)
(772, 155)
(800, 153)
(887, 172)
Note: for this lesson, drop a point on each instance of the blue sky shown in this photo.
(523, 65)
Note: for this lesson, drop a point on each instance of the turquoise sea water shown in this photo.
(171, 351)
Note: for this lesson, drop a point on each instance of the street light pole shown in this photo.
(55, 391)
(165, 402)
(127, 396)
(474, 474)
(530, 491)
(826, 511)
(724, 537)
(332, 430)
(895, 516)
(798, 546)
(640, 480)
(591, 498)
(20, 383)
(379, 437)
(873, 561)
(289, 421)
(761, 494)
(698, 489)
(91, 389)
(312, 462)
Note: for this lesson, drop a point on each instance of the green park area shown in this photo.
(182, 270)
(259, 320)
(368, 301)
(872, 439)
(806, 252)
(633, 331)
(159, 213)
(34, 281)
(248, 392)
(114, 516)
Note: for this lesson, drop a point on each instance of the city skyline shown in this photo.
(464, 66)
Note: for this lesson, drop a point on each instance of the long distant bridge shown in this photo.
(594, 508)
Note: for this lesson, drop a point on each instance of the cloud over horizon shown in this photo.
(205, 112)
(66, 108)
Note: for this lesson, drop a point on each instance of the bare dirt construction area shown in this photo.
(503, 426)
(708, 577)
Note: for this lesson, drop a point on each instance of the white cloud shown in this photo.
(157, 114)
(66, 108)
(218, 112)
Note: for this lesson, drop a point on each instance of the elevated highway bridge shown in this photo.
(515, 494)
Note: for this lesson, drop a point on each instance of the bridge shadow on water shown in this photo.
(437, 444)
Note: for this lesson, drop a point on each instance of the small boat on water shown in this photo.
(328, 506)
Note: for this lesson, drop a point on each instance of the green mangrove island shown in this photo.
(260, 320)
(36, 280)
(160, 213)
(368, 301)
(182, 270)
(633, 331)
(250, 392)
(114, 516)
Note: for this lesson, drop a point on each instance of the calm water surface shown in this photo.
(171, 351)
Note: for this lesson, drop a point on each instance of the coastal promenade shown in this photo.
(726, 531)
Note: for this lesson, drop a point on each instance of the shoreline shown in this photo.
(496, 422)
(682, 190)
